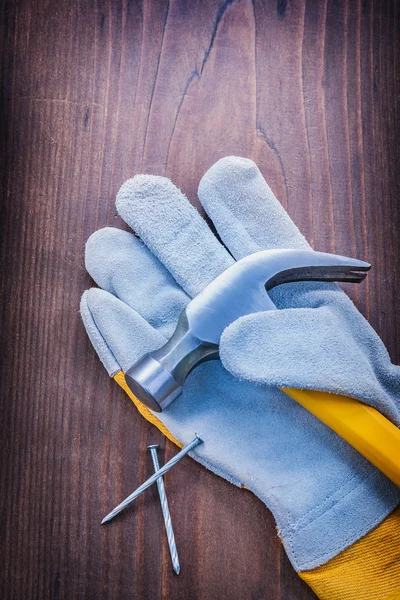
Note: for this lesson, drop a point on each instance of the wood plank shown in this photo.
(94, 92)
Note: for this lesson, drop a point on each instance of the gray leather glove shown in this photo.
(323, 494)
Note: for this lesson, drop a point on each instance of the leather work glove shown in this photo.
(334, 510)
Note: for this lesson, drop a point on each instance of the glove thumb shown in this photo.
(309, 348)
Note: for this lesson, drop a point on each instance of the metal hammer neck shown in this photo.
(157, 378)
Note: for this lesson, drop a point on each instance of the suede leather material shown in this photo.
(334, 348)
(323, 494)
(259, 347)
(179, 238)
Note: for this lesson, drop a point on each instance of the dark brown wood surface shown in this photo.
(94, 92)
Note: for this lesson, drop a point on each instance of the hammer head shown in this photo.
(243, 288)
(157, 378)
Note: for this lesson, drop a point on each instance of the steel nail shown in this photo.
(165, 511)
(152, 479)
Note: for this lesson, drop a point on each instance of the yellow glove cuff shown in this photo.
(368, 570)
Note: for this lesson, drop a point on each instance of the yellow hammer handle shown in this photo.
(363, 427)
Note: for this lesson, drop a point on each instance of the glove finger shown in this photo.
(121, 264)
(244, 210)
(118, 333)
(314, 349)
(173, 230)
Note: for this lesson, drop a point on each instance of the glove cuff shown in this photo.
(368, 570)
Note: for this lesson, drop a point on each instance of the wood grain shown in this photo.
(94, 92)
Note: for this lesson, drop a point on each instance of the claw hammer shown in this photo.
(157, 378)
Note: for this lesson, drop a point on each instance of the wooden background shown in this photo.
(94, 92)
